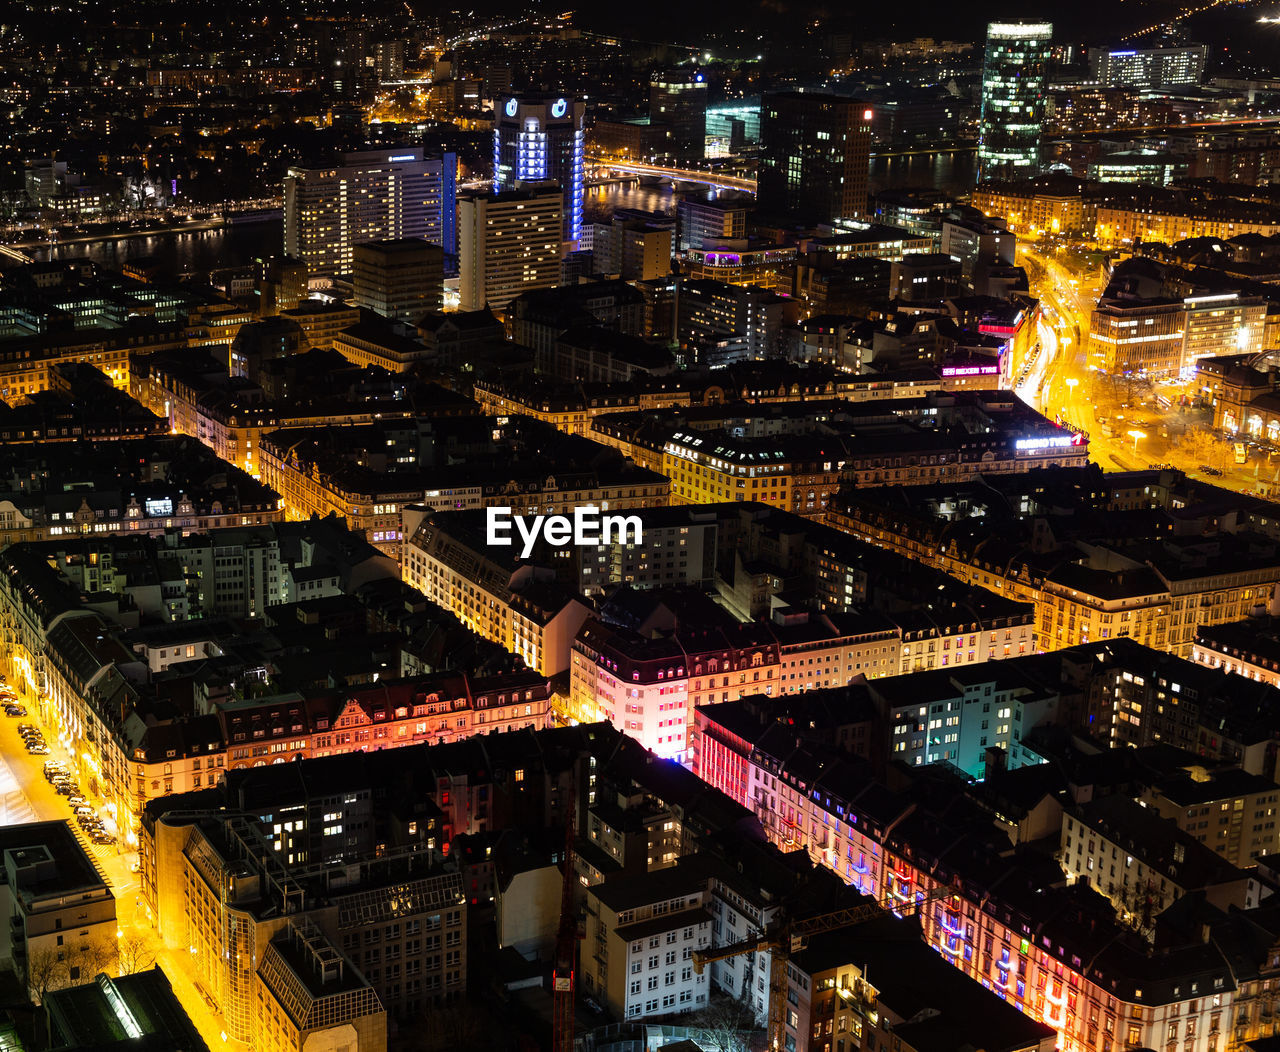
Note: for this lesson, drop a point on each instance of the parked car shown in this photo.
(67, 788)
(82, 811)
(14, 710)
(24, 727)
(102, 838)
(76, 800)
(38, 749)
(54, 767)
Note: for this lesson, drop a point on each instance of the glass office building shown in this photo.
(1013, 93)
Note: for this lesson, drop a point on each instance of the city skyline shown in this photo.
(738, 530)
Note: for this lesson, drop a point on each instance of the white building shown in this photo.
(371, 196)
(59, 913)
(508, 243)
(642, 931)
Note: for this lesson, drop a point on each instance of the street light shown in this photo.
(1135, 435)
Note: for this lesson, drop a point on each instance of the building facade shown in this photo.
(370, 196)
(536, 139)
(508, 243)
(815, 156)
(1014, 72)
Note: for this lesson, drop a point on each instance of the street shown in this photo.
(26, 796)
(1132, 422)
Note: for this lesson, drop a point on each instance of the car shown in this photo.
(82, 811)
(33, 733)
(53, 767)
(38, 750)
(1208, 470)
(102, 838)
(24, 727)
(66, 788)
(14, 710)
(89, 821)
(76, 800)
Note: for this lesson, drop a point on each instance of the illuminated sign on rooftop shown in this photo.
(1030, 445)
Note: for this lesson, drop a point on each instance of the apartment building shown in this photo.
(877, 985)
(957, 715)
(1230, 811)
(1055, 954)
(1143, 866)
(60, 911)
(1151, 586)
(641, 935)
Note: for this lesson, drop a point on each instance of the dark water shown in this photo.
(201, 252)
(196, 252)
(952, 172)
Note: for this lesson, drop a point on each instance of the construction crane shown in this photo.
(562, 975)
(784, 937)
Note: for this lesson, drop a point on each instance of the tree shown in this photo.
(1198, 444)
(46, 970)
(135, 953)
(726, 1025)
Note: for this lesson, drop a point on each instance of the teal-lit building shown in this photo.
(1013, 92)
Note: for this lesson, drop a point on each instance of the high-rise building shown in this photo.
(371, 196)
(538, 138)
(712, 221)
(815, 156)
(1154, 67)
(1013, 94)
(401, 279)
(508, 243)
(678, 104)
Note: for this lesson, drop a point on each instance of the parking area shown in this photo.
(66, 799)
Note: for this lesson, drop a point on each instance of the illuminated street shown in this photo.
(1063, 385)
(28, 797)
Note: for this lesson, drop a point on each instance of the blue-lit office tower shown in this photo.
(1013, 93)
(536, 138)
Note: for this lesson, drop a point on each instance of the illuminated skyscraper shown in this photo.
(1144, 68)
(1013, 93)
(371, 196)
(537, 138)
(508, 243)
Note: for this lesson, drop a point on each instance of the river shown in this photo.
(201, 252)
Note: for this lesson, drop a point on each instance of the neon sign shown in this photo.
(558, 108)
(970, 370)
(1049, 442)
(512, 106)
